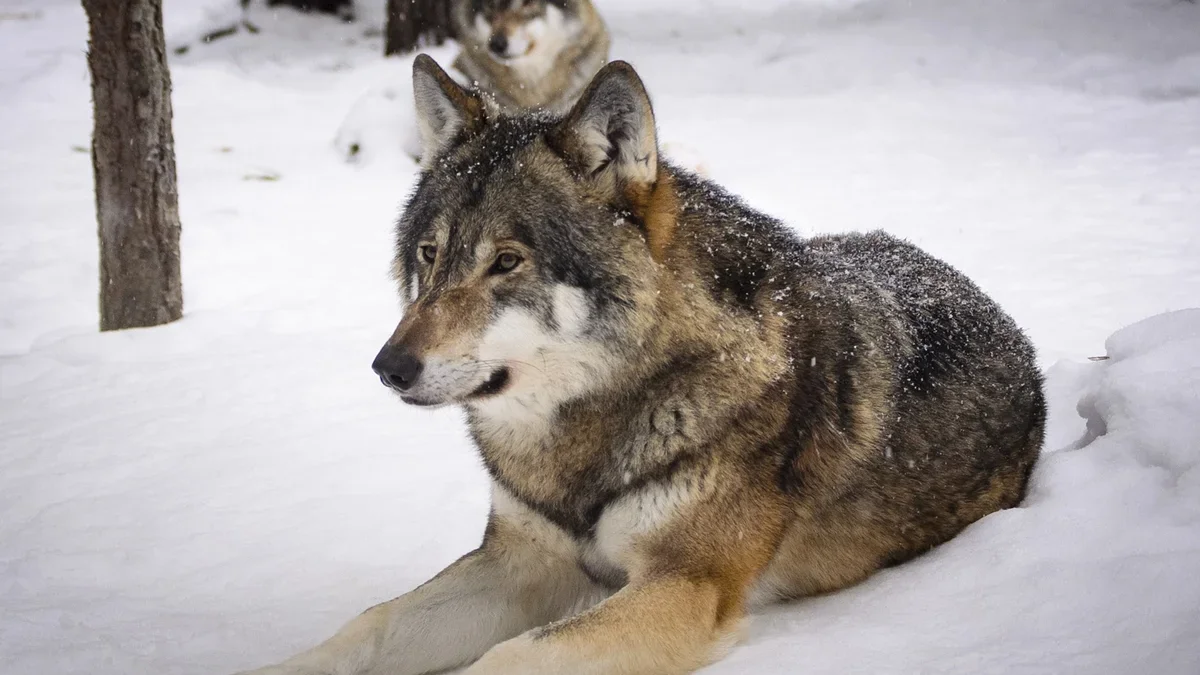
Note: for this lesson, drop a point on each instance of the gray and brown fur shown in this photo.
(713, 414)
(552, 71)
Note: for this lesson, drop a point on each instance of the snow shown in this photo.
(221, 492)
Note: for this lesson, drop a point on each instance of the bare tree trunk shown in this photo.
(133, 156)
(413, 22)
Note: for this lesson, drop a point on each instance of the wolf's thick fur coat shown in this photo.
(685, 408)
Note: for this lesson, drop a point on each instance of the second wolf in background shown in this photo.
(530, 53)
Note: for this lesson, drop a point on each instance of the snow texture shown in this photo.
(221, 492)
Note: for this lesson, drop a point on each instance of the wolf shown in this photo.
(530, 53)
(686, 410)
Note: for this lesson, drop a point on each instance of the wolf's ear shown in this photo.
(443, 108)
(609, 134)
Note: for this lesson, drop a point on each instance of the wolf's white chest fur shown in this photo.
(631, 521)
(625, 525)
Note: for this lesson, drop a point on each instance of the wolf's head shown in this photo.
(515, 29)
(527, 252)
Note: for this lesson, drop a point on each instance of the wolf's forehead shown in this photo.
(472, 222)
(499, 146)
(492, 178)
(488, 185)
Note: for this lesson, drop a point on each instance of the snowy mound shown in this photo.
(382, 121)
(1142, 408)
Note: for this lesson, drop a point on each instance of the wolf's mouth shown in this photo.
(509, 58)
(494, 385)
(416, 401)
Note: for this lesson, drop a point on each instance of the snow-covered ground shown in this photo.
(218, 493)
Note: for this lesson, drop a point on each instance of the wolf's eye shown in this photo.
(505, 262)
(429, 253)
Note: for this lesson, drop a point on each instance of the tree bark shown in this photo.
(133, 156)
(411, 23)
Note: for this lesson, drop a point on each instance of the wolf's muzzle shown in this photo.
(397, 368)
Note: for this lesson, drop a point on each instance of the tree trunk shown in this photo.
(411, 23)
(133, 156)
(342, 8)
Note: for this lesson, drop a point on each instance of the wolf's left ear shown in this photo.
(444, 109)
(609, 134)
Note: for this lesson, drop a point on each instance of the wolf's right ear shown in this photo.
(444, 109)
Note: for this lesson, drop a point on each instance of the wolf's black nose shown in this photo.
(498, 43)
(396, 368)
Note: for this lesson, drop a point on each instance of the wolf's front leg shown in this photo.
(693, 548)
(524, 575)
(668, 626)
